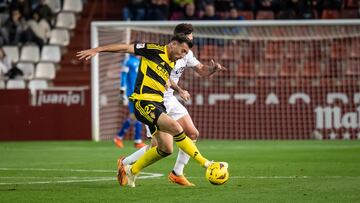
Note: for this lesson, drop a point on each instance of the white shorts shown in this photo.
(174, 109)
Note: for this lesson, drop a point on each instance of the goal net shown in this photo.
(284, 79)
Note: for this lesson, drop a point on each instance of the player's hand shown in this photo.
(86, 54)
(217, 66)
(184, 95)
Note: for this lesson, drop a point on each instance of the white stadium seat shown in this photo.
(2, 84)
(28, 69)
(50, 53)
(37, 84)
(15, 84)
(66, 20)
(60, 37)
(30, 53)
(12, 52)
(55, 5)
(73, 6)
(45, 70)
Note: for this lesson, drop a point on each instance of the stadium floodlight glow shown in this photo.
(257, 53)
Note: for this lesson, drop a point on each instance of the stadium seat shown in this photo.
(65, 20)
(15, 84)
(289, 68)
(60, 37)
(45, 71)
(334, 68)
(27, 69)
(248, 15)
(355, 49)
(273, 50)
(2, 84)
(73, 6)
(353, 67)
(349, 14)
(338, 50)
(12, 52)
(330, 14)
(312, 68)
(208, 52)
(37, 84)
(246, 70)
(30, 53)
(51, 53)
(351, 3)
(269, 68)
(265, 15)
(55, 5)
(295, 50)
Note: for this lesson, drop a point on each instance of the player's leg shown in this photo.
(132, 158)
(149, 113)
(172, 127)
(191, 131)
(125, 127)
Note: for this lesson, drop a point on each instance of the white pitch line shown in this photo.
(143, 175)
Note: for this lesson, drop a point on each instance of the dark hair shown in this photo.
(184, 28)
(181, 38)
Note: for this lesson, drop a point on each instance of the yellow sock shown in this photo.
(150, 157)
(188, 146)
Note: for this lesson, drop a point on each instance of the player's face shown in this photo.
(190, 36)
(179, 51)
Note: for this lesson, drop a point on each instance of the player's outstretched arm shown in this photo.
(122, 48)
(208, 70)
(182, 93)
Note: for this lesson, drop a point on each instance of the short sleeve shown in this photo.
(140, 49)
(191, 60)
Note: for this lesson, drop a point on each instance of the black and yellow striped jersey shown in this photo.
(154, 72)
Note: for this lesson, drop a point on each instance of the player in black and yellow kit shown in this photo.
(156, 64)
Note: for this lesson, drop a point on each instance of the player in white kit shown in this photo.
(176, 110)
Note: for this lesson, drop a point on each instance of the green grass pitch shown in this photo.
(260, 171)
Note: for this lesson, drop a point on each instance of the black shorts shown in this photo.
(148, 112)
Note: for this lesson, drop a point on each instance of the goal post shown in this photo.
(285, 79)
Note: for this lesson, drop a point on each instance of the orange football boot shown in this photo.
(121, 173)
(118, 142)
(139, 145)
(180, 180)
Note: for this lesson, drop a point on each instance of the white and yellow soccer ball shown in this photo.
(217, 173)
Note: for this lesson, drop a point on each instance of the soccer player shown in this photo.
(176, 110)
(155, 67)
(129, 71)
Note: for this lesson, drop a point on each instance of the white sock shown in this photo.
(135, 156)
(181, 161)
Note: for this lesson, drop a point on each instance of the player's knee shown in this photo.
(193, 134)
(166, 148)
(175, 128)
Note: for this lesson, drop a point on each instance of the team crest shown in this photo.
(140, 46)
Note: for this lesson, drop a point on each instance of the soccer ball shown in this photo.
(217, 173)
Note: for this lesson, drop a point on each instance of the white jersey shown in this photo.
(188, 61)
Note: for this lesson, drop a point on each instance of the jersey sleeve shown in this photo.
(191, 60)
(141, 49)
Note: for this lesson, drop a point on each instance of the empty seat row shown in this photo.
(31, 53)
(43, 70)
(21, 84)
(68, 5)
